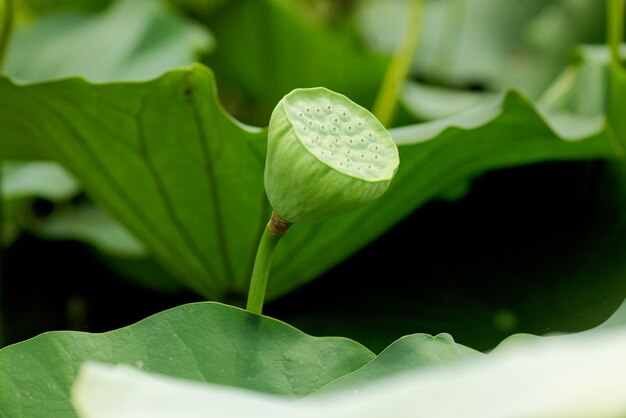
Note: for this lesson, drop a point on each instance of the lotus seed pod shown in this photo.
(326, 155)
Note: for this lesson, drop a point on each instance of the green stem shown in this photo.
(387, 100)
(274, 231)
(7, 29)
(615, 28)
(616, 126)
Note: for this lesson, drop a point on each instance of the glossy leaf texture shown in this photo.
(563, 377)
(165, 160)
(206, 342)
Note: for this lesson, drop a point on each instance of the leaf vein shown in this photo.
(167, 201)
(212, 182)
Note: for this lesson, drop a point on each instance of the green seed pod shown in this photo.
(326, 155)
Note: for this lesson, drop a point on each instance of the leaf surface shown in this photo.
(561, 377)
(206, 342)
(409, 352)
(165, 160)
(129, 40)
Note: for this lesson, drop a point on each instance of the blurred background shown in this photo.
(539, 248)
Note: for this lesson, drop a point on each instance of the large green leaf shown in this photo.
(207, 342)
(129, 40)
(163, 158)
(183, 177)
(216, 343)
(575, 376)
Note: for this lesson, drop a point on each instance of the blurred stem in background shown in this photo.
(615, 29)
(5, 35)
(616, 119)
(6, 29)
(387, 100)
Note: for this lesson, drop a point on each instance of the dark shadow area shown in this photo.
(526, 250)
